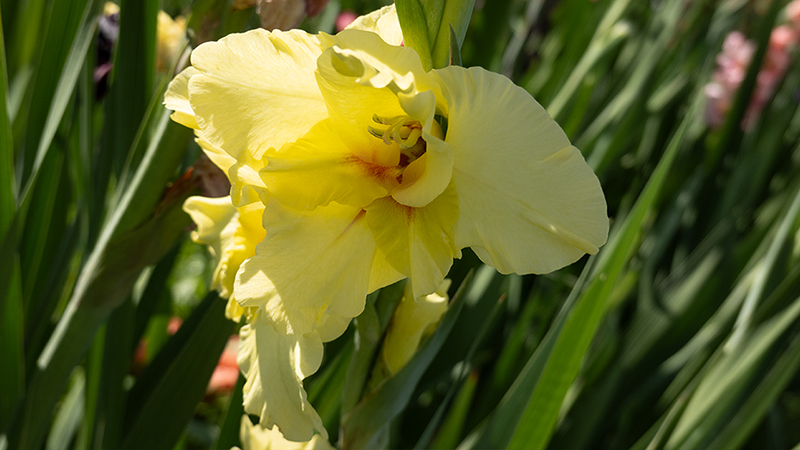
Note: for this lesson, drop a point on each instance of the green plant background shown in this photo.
(682, 333)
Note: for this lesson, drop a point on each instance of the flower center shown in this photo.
(403, 131)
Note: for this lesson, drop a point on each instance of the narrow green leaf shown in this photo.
(132, 85)
(8, 203)
(109, 273)
(361, 425)
(454, 19)
(415, 29)
(229, 429)
(760, 399)
(12, 370)
(165, 397)
(537, 423)
(453, 426)
(70, 414)
(63, 91)
(455, 49)
(462, 374)
(116, 364)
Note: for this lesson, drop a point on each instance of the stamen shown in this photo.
(403, 130)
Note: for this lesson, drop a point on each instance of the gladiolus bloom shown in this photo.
(370, 170)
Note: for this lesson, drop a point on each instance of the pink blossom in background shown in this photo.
(174, 323)
(344, 19)
(227, 372)
(776, 62)
(732, 64)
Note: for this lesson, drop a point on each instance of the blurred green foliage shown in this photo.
(682, 333)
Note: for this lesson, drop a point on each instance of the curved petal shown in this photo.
(246, 185)
(382, 273)
(528, 202)
(256, 90)
(275, 365)
(255, 437)
(218, 156)
(359, 76)
(319, 169)
(309, 263)
(412, 319)
(427, 177)
(177, 99)
(331, 327)
(417, 241)
(231, 234)
(384, 22)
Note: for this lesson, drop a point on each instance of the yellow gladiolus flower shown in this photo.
(370, 170)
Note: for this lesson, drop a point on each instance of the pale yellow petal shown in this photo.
(177, 99)
(319, 169)
(332, 326)
(246, 185)
(417, 242)
(231, 234)
(310, 262)
(382, 273)
(359, 76)
(218, 156)
(256, 437)
(275, 365)
(413, 319)
(256, 90)
(384, 22)
(528, 202)
(428, 176)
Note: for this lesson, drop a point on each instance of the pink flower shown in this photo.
(732, 63)
(227, 372)
(344, 19)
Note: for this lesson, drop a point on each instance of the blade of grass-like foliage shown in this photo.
(62, 92)
(229, 429)
(760, 399)
(7, 184)
(11, 318)
(496, 431)
(61, 25)
(756, 293)
(462, 374)
(540, 388)
(451, 28)
(453, 426)
(12, 370)
(117, 357)
(390, 398)
(537, 423)
(600, 46)
(415, 29)
(132, 85)
(39, 221)
(165, 397)
(720, 392)
(93, 369)
(326, 391)
(736, 364)
(57, 106)
(106, 279)
(370, 327)
(69, 414)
